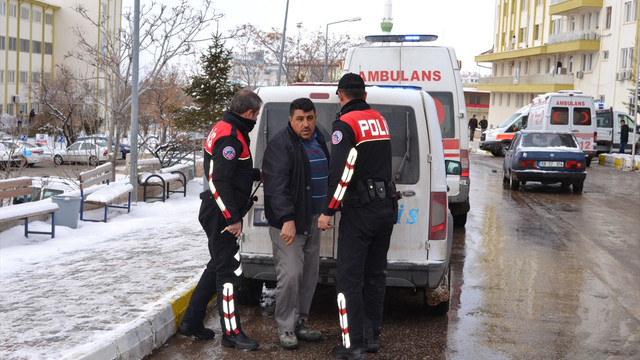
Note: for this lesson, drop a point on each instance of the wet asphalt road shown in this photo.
(536, 274)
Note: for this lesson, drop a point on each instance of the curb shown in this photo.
(146, 334)
(619, 161)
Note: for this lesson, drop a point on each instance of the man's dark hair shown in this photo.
(244, 101)
(303, 104)
(353, 93)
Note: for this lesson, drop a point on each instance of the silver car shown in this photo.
(81, 151)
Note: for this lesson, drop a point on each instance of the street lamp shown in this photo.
(326, 40)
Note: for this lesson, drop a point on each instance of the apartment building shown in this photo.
(36, 35)
(550, 45)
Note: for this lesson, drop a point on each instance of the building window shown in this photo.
(37, 16)
(3, 8)
(48, 48)
(35, 77)
(48, 18)
(548, 69)
(1, 81)
(24, 77)
(36, 47)
(11, 76)
(13, 43)
(24, 45)
(536, 32)
(539, 66)
(607, 20)
(596, 22)
(24, 13)
(626, 58)
(572, 25)
(570, 64)
(13, 10)
(2, 42)
(631, 11)
(583, 23)
(605, 55)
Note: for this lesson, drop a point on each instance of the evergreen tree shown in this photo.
(211, 90)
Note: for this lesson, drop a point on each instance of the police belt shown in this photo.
(370, 190)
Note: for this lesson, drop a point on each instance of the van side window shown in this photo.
(603, 119)
(581, 116)
(444, 105)
(559, 116)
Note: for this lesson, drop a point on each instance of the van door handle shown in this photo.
(408, 193)
(575, 130)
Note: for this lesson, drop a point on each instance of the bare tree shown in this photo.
(166, 32)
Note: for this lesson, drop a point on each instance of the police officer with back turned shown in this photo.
(360, 186)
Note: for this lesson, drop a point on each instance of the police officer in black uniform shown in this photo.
(360, 182)
(229, 169)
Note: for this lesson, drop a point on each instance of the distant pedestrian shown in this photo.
(32, 115)
(473, 125)
(20, 116)
(624, 136)
(484, 124)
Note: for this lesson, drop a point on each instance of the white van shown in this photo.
(421, 242)
(608, 127)
(406, 60)
(497, 140)
(566, 111)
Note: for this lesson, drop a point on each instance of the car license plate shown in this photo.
(551, 164)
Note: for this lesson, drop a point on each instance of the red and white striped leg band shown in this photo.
(229, 309)
(342, 310)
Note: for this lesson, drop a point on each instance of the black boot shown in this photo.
(240, 342)
(371, 346)
(200, 332)
(341, 352)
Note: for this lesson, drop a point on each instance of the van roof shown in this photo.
(400, 38)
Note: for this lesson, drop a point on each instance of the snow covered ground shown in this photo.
(65, 296)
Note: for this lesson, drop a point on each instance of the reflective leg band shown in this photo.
(342, 310)
(229, 309)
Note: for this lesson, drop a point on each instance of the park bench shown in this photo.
(151, 174)
(23, 186)
(96, 189)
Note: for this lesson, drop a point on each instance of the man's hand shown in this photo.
(323, 222)
(288, 232)
(235, 229)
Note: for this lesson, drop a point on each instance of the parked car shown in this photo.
(10, 155)
(47, 186)
(33, 154)
(544, 156)
(82, 151)
(124, 149)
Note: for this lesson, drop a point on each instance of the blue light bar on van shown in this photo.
(409, 87)
(400, 38)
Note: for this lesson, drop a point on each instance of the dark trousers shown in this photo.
(363, 242)
(222, 268)
(623, 145)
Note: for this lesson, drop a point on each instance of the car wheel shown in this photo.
(515, 184)
(93, 161)
(503, 148)
(564, 186)
(495, 153)
(58, 160)
(577, 187)
(505, 178)
(588, 161)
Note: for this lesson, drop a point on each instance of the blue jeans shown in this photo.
(623, 144)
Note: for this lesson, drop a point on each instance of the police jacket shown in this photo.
(229, 166)
(287, 180)
(360, 150)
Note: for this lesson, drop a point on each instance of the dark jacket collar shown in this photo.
(354, 105)
(243, 124)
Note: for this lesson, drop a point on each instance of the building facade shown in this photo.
(551, 45)
(36, 35)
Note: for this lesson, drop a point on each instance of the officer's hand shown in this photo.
(288, 232)
(235, 229)
(323, 222)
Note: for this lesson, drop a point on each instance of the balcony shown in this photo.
(539, 83)
(574, 36)
(566, 7)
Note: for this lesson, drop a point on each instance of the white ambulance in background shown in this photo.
(608, 127)
(497, 140)
(570, 111)
(406, 60)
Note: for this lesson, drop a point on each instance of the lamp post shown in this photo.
(326, 41)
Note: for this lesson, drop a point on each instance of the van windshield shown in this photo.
(402, 126)
(509, 120)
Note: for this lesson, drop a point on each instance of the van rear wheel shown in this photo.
(437, 301)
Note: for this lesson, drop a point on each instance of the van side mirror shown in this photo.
(453, 167)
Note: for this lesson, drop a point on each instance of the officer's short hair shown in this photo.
(244, 101)
(304, 104)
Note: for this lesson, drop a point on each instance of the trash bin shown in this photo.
(69, 211)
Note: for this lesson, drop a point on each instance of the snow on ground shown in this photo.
(64, 294)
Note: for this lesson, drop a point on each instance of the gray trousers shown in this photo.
(297, 271)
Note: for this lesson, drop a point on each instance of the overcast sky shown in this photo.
(466, 25)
